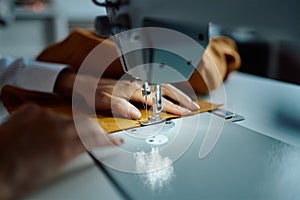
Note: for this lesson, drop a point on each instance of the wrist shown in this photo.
(64, 83)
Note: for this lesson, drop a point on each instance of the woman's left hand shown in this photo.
(116, 95)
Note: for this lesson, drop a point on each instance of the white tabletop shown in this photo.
(270, 107)
(244, 164)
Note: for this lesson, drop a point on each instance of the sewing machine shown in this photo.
(154, 55)
(257, 158)
(197, 22)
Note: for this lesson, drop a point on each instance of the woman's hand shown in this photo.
(115, 95)
(35, 143)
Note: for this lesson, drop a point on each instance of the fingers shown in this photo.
(175, 109)
(118, 105)
(123, 107)
(186, 103)
(183, 99)
(126, 109)
(97, 138)
(116, 141)
(115, 96)
(92, 135)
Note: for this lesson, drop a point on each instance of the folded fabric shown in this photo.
(221, 57)
(73, 50)
(13, 97)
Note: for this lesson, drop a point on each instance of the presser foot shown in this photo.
(152, 120)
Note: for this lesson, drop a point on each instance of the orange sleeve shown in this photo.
(74, 49)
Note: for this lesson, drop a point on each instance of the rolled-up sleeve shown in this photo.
(30, 74)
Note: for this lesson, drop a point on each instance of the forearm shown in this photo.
(65, 82)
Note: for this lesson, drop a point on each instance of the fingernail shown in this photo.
(117, 141)
(185, 111)
(196, 105)
(134, 114)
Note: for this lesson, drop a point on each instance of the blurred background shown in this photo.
(30, 25)
(33, 24)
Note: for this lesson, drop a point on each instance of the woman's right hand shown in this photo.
(35, 143)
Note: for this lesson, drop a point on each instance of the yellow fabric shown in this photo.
(112, 124)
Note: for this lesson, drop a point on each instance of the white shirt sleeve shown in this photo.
(29, 74)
